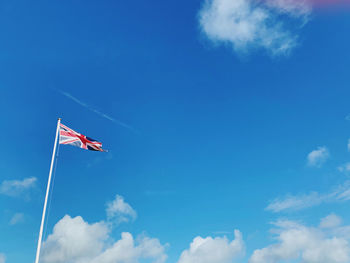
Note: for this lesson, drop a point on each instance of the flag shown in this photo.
(71, 137)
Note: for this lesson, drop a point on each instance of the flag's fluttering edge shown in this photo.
(71, 137)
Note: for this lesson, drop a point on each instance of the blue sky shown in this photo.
(218, 116)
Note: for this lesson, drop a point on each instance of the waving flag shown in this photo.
(71, 137)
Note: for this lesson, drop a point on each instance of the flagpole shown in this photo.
(47, 193)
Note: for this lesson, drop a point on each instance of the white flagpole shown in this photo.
(47, 194)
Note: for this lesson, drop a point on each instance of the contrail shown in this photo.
(74, 99)
(81, 103)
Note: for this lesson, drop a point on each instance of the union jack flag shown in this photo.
(71, 137)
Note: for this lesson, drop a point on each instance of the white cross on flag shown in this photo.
(71, 137)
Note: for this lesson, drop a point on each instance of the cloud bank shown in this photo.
(16, 188)
(246, 25)
(74, 240)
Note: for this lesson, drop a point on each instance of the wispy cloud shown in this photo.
(103, 115)
(294, 8)
(291, 202)
(16, 219)
(299, 202)
(17, 187)
(317, 157)
(2, 258)
(248, 25)
(345, 168)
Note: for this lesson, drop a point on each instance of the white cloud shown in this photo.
(348, 144)
(213, 250)
(299, 202)
(296, 242)
(128, 250)
(330, 221)
(17, 218)
(317, 157)
(120, 211)
(75, 241)
(2, 258)
(17, 187)
(245, 24)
